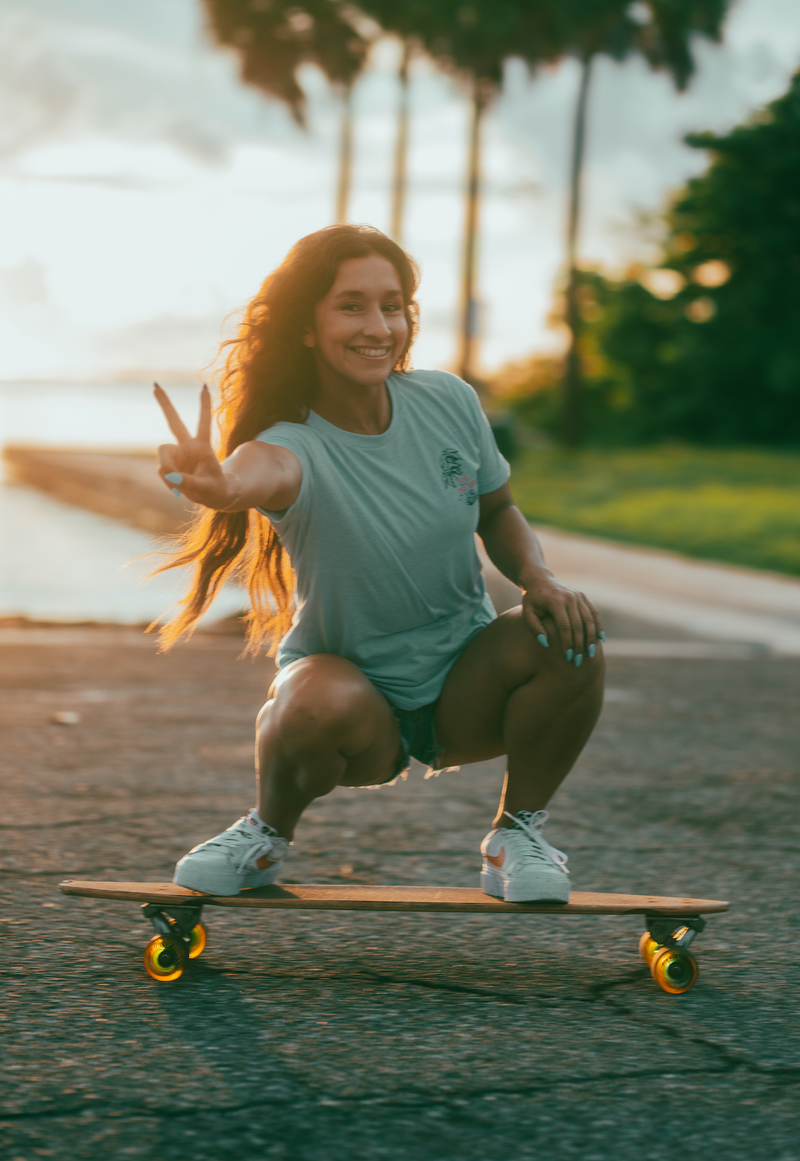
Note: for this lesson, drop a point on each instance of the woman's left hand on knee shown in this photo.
(548, 605)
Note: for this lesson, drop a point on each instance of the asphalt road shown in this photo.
(340, 1037)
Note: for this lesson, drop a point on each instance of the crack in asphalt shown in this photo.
(597, 993)
(74, 822)
(732, 1060)
(39, 872)
(729, 1062)
(487, 993)
(789, 1075)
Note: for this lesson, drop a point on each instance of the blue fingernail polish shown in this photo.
(602, 635)
(174, 477)
(592, 650)
(175, 492)
(543, 640)
(570, 655)
(578, 660)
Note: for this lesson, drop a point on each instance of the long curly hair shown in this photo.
(269, 375)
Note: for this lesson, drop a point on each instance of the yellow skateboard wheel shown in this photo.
(673, 970)
(647, 947)
(165, 957)
(197, 940)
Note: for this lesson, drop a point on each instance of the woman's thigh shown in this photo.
(499, 659)
(326, 703)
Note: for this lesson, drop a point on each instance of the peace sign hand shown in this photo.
(190, 467)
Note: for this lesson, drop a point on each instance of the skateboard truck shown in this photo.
(184, 917)
(180, 936)
(673, 931)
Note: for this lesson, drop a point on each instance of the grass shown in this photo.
(732, 505)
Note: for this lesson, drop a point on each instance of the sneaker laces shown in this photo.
(258, 843)
(532, 821)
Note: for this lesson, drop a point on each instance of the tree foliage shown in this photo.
(475, 39)
(665, 40)
(711, 351)
(273, 38)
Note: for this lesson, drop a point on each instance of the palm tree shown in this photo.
(471, 42)
(345, 180)
(571, 404)
(273, 38)
(662, 32)
(470, 305)
(400, 175)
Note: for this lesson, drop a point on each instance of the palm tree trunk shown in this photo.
(468, 339)
(345, 156)
(571, 412)
(401, 150)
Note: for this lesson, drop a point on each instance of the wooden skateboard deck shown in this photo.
(671, 922)
(347, 897)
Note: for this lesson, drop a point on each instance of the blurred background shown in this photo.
(603, 197)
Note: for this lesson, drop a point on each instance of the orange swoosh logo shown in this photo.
(497, 860)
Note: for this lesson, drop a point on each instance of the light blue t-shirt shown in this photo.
(382, 536)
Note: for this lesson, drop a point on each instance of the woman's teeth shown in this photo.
(372, 352)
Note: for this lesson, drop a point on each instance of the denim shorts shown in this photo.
(417, 737)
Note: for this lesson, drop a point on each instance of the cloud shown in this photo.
(171, 344)
(59, 77)
(24, 285)
(37, 99)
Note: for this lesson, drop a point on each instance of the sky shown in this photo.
(146, 192)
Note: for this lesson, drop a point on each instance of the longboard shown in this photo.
(671, 922)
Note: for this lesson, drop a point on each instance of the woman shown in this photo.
(374, 479)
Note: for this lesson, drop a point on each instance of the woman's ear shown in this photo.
(308, 337)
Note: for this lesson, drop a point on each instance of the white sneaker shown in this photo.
(226, 864)
(520, 866)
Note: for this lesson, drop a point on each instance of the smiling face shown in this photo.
(360, 327)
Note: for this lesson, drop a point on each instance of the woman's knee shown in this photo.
(551, 659)
(585, 679)
(317, 702)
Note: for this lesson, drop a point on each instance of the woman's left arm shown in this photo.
(511, 544)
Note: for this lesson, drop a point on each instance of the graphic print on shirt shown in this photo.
(453, 476)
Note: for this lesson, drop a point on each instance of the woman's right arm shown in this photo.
(256, 475)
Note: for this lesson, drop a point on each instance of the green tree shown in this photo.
(273, 38)
(704, 348)
(725, 349)
(662, 31)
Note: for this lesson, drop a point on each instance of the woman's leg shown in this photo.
(324, 725)
(507, 694)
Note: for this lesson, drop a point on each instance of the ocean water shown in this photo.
(60, 563)
(90, 415)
